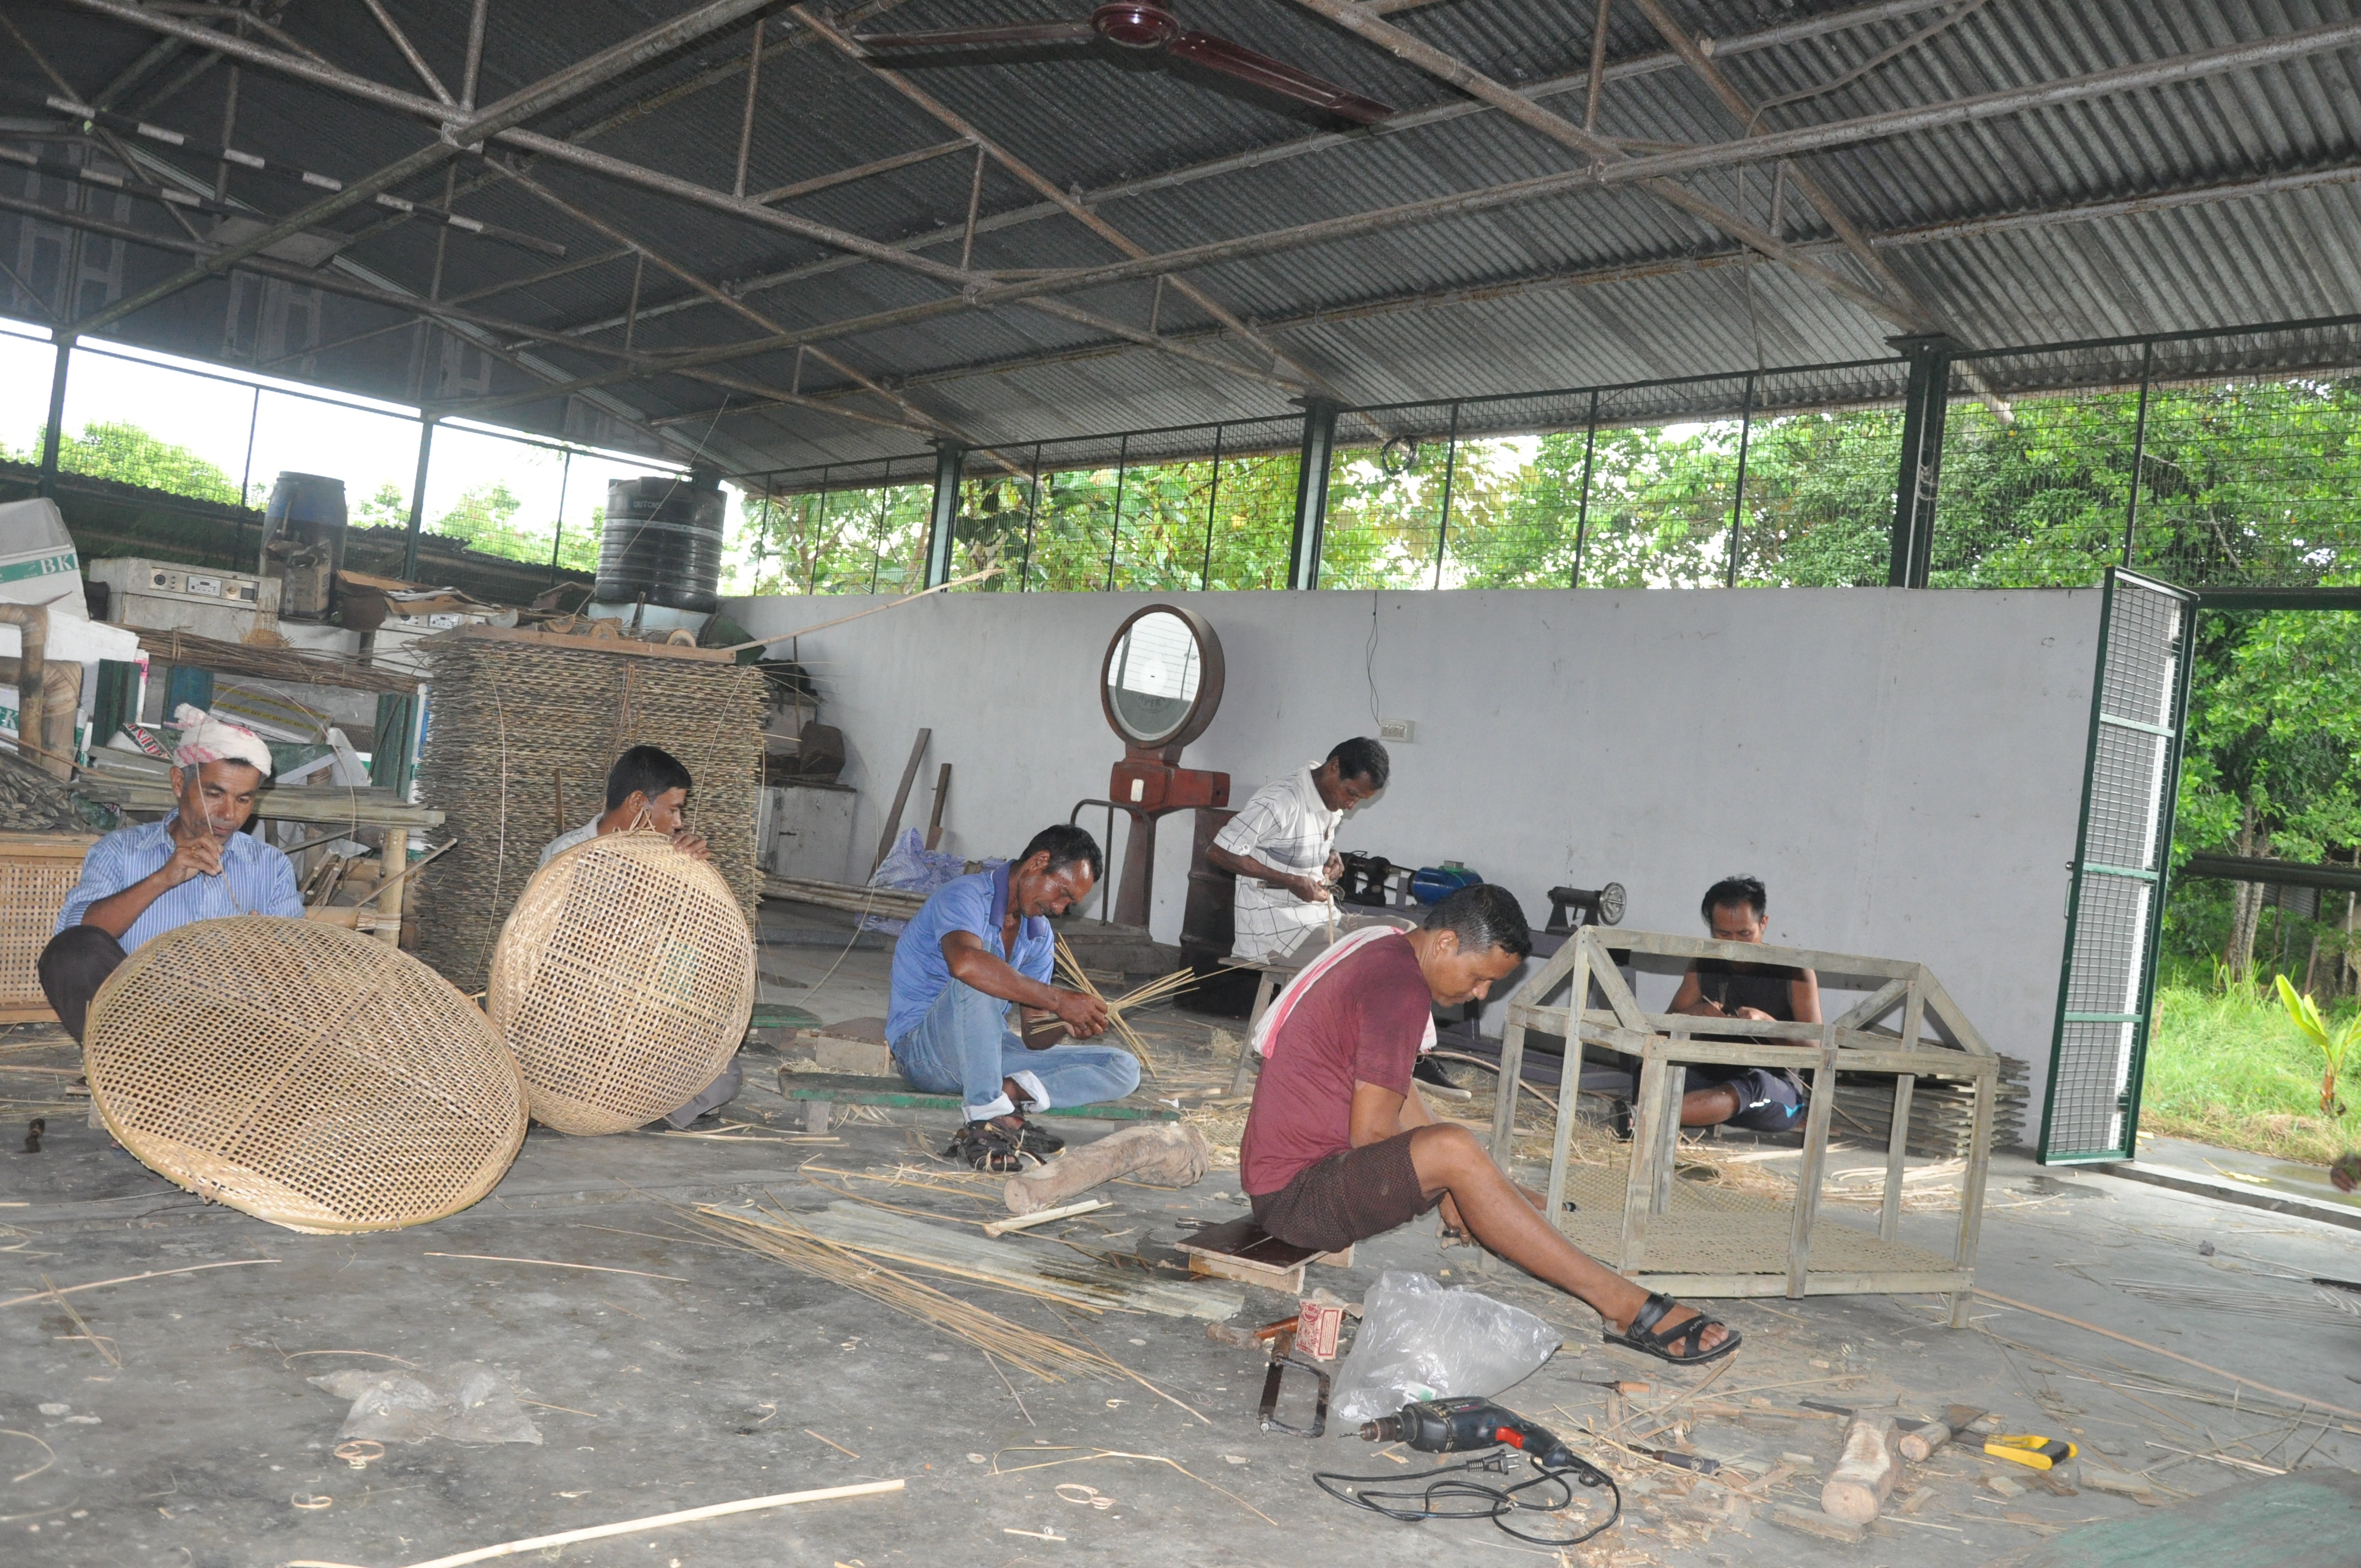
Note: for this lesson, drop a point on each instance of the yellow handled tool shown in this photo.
(2029, 1449)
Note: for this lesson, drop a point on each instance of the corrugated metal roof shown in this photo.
(1443, 308)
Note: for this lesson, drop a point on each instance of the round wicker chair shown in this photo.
(306, 1074)
(622, 982)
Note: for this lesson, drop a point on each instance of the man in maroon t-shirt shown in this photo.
(1339, 1148)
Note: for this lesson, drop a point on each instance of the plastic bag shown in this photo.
(1420, 1341)
(914, 868)
(467, 1403)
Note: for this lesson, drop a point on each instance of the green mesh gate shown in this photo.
(2115, 906)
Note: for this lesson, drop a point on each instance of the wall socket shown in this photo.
(1402, 731)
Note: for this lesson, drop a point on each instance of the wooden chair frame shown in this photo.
(1663, 1042)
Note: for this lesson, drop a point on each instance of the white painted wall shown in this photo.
(1902, 768)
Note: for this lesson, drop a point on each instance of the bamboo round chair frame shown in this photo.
(303, 1073)
(622, 982)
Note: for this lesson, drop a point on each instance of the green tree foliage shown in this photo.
(117, 450)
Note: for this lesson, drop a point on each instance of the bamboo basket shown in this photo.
(305, 1074)
(622, 982)
(36, 871)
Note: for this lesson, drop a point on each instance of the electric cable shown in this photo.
(1414, 1504)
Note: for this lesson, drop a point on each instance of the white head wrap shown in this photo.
(204, 739)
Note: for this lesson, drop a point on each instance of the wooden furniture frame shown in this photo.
(1650, 1241)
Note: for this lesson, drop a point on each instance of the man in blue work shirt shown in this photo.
(980, 945)
(139, 882)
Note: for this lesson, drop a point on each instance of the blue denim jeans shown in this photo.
(965, 1046)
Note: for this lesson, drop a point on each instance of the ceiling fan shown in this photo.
(1149, 28)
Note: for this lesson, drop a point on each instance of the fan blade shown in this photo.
(1277, 76)
(956, 38)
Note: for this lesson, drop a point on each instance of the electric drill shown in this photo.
(1455, 1425)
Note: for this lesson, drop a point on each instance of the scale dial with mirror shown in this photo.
(1159, 686)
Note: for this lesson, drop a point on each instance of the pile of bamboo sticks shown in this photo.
(778, 1236)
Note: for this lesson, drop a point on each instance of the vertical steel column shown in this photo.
(1582, 508)
(1213, 510)
(1114, 532)
(556, 545)
(1032, 512)
(1738, 492)
(2139, 454)
(1450, 469)
(55, 434)
(818, 533)
(1926, 404)
(884, 521)
(1312, 492)
(943, 518)
(418, 499)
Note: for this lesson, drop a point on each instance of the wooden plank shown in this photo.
(1647, 1113)
(1972, 1198)
(1808, 1170)
(1914, 1010)
(1570, 1082)
(626, 646)
(901, 799)
(1504, 1099)
(1955, 1021)
(1868, 1010)
(935, 819)
(1265, 987)
(1897, 1146)
(1240, 1249)
(1668, 945)
(851, 1089)
(323, 805)
(1611, 982)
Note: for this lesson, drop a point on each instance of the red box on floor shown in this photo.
(1317, 1328)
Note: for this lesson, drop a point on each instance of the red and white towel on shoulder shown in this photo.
(1266, 1029)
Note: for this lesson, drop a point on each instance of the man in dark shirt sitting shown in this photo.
(1339, 1147)
(1762, 1099)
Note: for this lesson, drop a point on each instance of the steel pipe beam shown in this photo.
(1604, 154)
(450, 315)
(467, 129)
(1676, 266)
(2246, 55)
(1048, 189)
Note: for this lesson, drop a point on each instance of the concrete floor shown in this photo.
(735, 1376)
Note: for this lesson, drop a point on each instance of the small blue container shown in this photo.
(1432, 884)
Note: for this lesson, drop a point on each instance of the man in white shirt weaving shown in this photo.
(1282, 846)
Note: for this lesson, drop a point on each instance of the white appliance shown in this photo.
(162, 596)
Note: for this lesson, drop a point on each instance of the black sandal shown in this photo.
(1641, 1334)
(985, 1147)
(1029, 1138)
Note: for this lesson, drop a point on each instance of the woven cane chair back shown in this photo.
(622, 981)
(306, 1074)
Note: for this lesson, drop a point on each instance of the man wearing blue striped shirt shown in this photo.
(139, 882)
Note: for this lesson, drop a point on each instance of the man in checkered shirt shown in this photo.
(1282, 846)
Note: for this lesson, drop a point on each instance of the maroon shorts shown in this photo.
(1347, 1197)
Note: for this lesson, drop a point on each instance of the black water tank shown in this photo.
(663, 538)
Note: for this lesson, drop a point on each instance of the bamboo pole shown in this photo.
(628, 1526)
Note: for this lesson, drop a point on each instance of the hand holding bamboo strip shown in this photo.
(1158, 990)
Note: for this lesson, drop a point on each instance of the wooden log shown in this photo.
(1857, 1488)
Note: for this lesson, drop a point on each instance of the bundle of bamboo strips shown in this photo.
(1154, 991)
(778, 1236)
(892, 902)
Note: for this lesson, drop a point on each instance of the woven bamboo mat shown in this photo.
(506, 721)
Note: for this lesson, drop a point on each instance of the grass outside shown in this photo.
(2226, 1069)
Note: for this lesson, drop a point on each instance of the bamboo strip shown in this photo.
(629, 1527)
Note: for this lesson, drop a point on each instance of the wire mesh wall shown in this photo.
(2246, 475)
